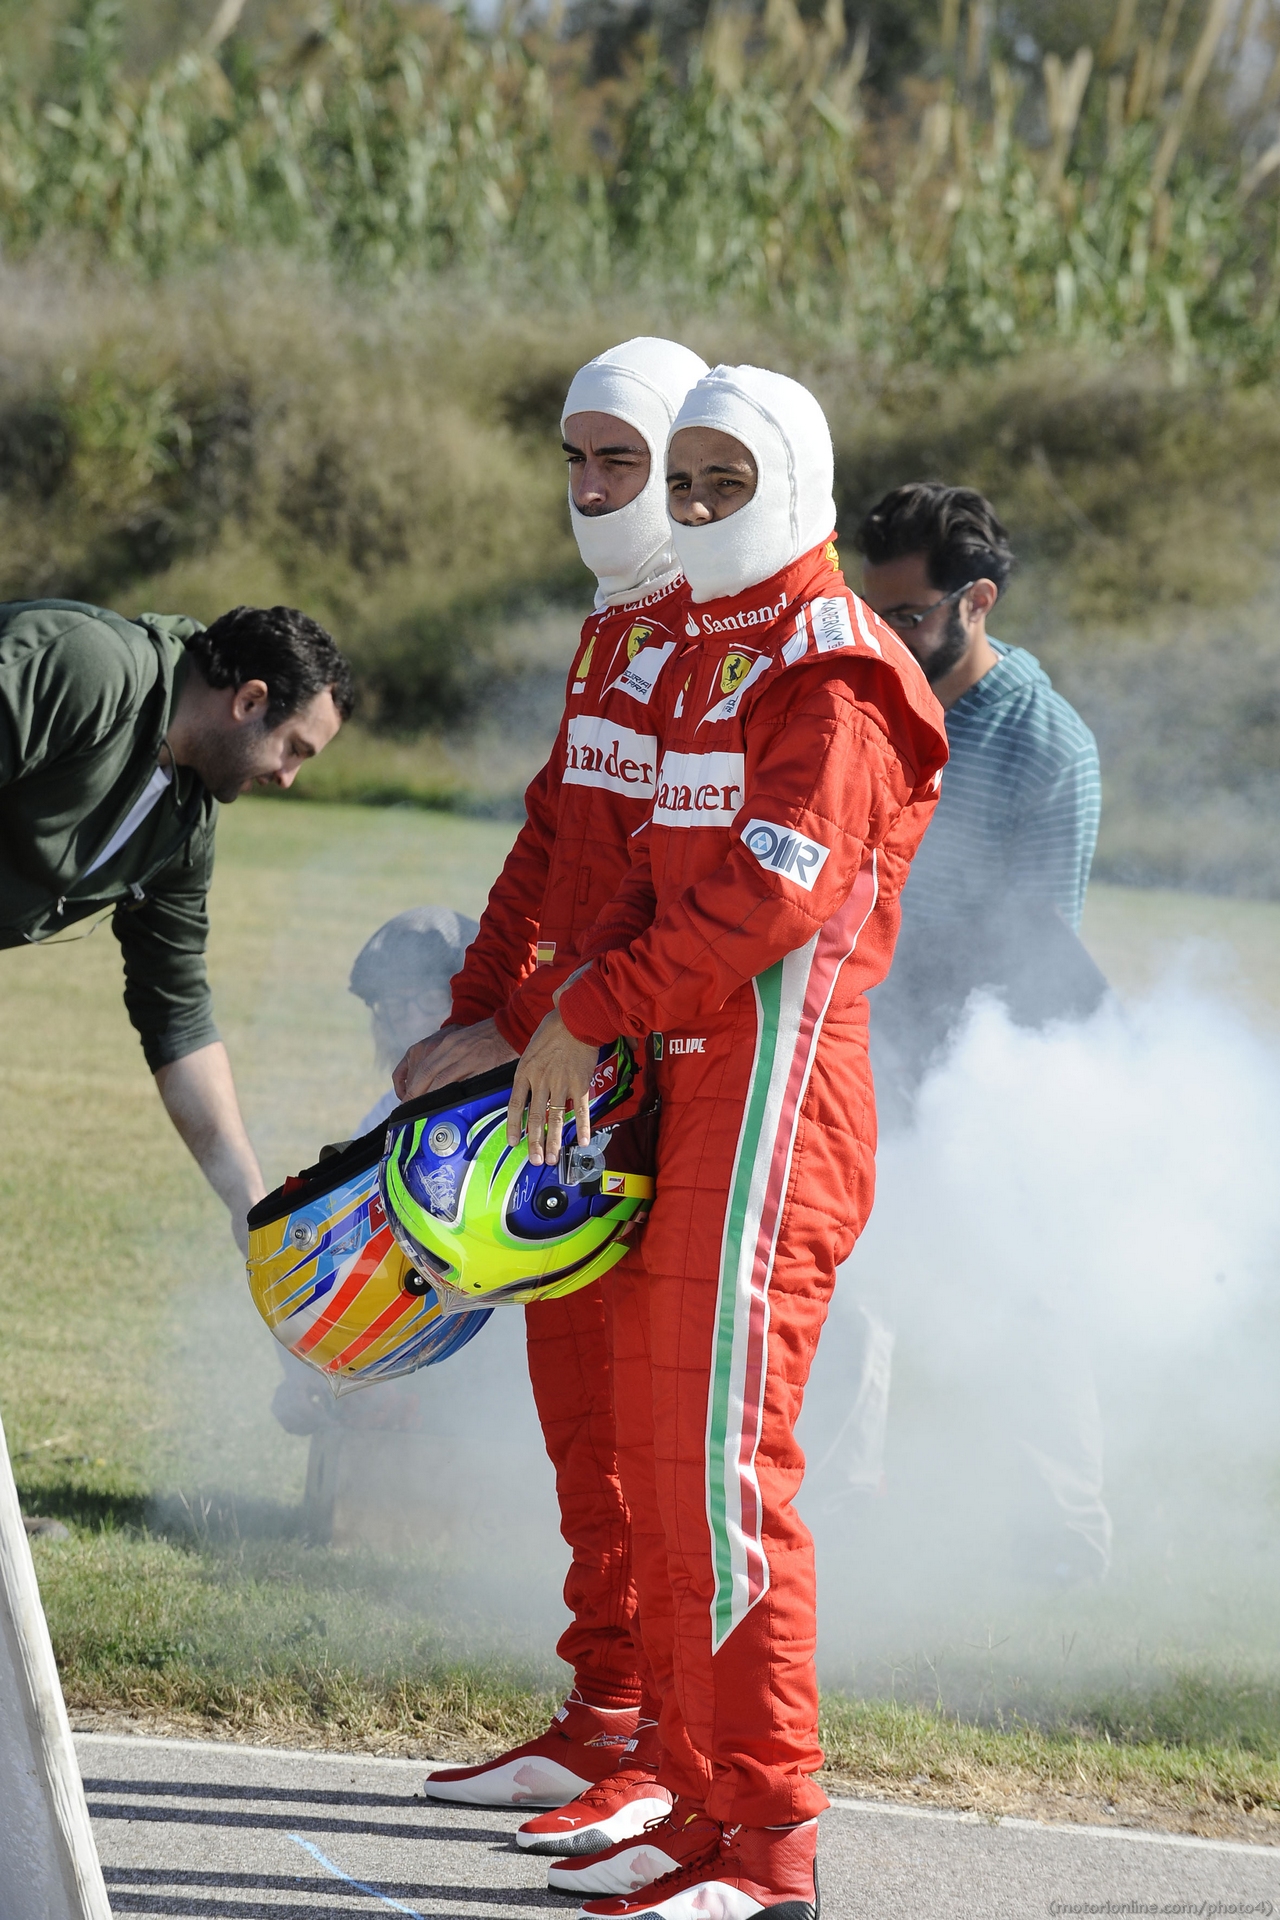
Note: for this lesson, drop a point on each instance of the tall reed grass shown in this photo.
(988, 206)
(297, 326)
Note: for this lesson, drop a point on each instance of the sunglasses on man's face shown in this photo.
(905, 620)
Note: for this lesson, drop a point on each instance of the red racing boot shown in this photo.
(756, 1873)
(582, 1745)
(682, 1835)
(616, 1808)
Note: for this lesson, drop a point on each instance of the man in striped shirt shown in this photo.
(997, 889)
(993, 901)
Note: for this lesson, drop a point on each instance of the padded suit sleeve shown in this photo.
(503, 953)
(818, 764)
(626, 916)
(632, 908)
(517, 1021)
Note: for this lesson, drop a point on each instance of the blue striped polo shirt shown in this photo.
(1020, 802)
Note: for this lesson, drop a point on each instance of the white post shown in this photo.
(48, 1863)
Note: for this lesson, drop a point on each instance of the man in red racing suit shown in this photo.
(596, 789)
(569, 858)
(800, 765)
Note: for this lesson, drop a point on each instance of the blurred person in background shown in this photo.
(402, 973)
(997, 892)
(596, 1762)
(118, 741)
(993, 902)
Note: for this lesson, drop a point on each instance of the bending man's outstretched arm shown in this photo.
(200, 1097)
(167, 996)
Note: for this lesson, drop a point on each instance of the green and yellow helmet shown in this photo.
(486, 1226)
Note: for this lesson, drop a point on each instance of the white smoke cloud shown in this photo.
(1073, 1261)
(1130, 1159)
(1089, 1211)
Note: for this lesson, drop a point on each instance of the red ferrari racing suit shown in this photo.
(571, 854)
(800, 766)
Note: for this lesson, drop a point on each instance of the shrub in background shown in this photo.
(294, 321)
(251, 432)
(985, 205)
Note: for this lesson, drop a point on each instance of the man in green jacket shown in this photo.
(118, 739)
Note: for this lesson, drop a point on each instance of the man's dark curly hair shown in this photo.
(290, 652)
(955, 528)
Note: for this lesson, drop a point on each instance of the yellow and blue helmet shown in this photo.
(486, 1226)
(328, 1277)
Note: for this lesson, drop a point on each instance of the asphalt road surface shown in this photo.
(237, 1833)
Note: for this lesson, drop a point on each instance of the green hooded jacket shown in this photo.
(86, 698)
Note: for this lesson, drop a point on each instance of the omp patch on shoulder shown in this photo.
(780, 850)
(641, 677)
(832, 627)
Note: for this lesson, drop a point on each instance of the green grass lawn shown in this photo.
(1136, 934)
(135, 1384)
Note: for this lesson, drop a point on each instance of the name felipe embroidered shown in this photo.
(781, 851)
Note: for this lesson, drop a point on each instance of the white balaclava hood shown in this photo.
(642, 382)
(792, 508)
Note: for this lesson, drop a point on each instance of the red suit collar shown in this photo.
(758, 608)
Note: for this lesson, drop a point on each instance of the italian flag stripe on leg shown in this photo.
(792, 998)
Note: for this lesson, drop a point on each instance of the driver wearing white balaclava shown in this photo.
(801, 753)
(583, 810)
(642, 382)
(792, 509)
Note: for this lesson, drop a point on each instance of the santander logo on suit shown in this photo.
(599, 753)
